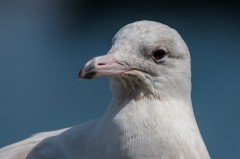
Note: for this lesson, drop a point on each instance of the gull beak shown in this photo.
(102, 66)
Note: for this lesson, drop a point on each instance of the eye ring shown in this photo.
(159, 53)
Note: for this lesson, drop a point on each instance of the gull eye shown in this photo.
(159, 54)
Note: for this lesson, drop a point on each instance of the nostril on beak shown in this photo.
(101, 64)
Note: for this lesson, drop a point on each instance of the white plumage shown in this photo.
(150, 115)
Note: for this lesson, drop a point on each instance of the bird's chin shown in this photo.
(133, 84)
(136, 79)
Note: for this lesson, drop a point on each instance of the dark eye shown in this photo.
(159, 54)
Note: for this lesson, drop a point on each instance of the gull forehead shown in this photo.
(142, 28)
(147, 35)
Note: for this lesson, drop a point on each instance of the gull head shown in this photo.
(147, 59)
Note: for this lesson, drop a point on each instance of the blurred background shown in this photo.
(43, 44)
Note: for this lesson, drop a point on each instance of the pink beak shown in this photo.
(102, 66)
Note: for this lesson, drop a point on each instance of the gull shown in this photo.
(150, 115)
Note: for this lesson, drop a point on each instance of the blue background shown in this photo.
(43, 44)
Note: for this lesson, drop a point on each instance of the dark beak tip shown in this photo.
(87, 72)
(86, 75)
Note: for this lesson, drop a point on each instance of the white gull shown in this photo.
(150, 115)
